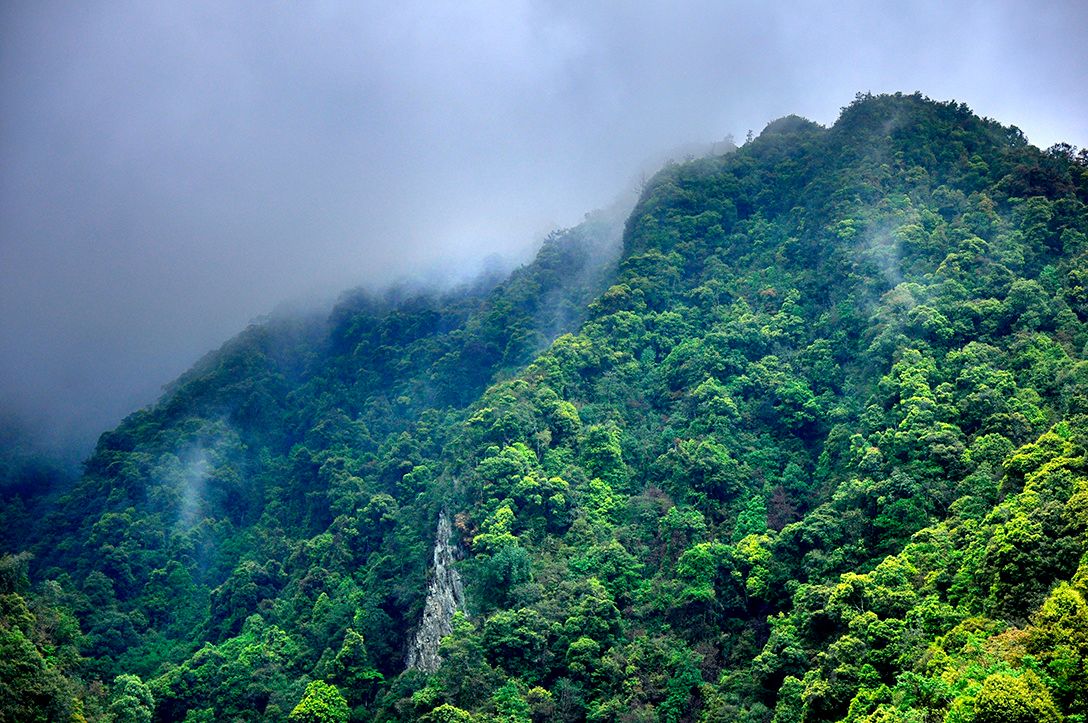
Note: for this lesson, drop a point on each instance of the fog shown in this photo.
(169, 171)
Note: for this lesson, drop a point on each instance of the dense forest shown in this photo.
(804, 438)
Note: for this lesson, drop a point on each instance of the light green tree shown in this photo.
(322, 703)
(131, 700)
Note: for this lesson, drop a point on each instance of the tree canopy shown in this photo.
(809, 442)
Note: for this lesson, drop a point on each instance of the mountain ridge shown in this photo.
(760, 476)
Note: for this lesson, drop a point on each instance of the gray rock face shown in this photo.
(445, 596)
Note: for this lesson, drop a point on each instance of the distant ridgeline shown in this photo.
(810, 445)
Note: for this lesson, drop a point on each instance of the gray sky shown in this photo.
(169, 171)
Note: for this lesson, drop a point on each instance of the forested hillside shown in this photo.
(811, 446)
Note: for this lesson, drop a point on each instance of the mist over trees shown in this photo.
(171, 172)
(804, 439)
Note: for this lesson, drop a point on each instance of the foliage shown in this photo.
(322, 703)
(814, 448)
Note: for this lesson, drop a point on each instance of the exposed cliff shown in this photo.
(445, 596)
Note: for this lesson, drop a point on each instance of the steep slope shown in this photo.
(189, 516)
(814, 351)
(814, 450)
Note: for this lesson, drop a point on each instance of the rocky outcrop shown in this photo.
(445, 596)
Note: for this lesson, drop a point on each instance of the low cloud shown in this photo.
(170, 171)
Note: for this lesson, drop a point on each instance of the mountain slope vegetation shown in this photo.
(812, 449)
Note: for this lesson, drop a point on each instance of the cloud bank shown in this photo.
(169, 171)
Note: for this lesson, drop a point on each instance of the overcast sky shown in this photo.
(169, 171)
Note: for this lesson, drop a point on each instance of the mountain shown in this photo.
(808, 444)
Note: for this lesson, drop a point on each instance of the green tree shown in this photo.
(447, 713)
(1007, 698)
(321, 703)
(352, 670)
(131, 700)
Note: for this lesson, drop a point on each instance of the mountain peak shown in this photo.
(813, 443)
